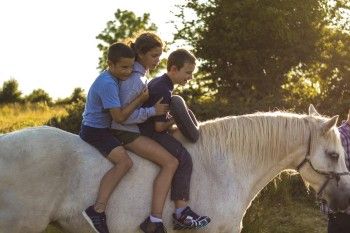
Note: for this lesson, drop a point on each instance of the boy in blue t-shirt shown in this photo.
(103, 106)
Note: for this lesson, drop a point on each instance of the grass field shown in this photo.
(293, 216)
(18, 116)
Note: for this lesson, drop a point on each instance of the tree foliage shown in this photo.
(257, 53)
(126, 25)
(326, 81)
(77, 95)
(39, 96)
(9, 92)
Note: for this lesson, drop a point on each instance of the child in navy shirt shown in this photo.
(103, 106)
(180, 67)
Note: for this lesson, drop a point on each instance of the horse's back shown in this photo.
(36, 149)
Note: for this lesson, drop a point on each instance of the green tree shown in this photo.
(76, 96)
(248, 47)
(126, 25)
(326, 81)
(9, 92)
(39, 95)
(334, 73)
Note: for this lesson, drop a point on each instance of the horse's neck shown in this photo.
(262, 173)
(252, 168)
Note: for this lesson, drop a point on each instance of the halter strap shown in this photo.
(329, 174)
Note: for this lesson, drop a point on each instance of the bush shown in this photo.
(72, 121)
(39, 96)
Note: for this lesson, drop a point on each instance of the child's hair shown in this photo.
(145, 42)
(119, 50)
(179, 57)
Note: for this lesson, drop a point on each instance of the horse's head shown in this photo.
(324, 166)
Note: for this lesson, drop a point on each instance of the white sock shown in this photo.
(178, 211)
(155, 219)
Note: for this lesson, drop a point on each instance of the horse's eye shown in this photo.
(333, 155)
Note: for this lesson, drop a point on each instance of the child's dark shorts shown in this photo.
(101, 138)
(125, 137)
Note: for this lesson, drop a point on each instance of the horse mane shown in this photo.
(263, 135)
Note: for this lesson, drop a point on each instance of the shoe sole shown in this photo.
(89, 221)
(142, 229)
(180, 226)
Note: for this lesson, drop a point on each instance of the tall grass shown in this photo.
(17, 116)
(285, 206)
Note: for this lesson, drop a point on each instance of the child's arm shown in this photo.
(140, 115)
(121, 114)
(162, 126)
(162, 122)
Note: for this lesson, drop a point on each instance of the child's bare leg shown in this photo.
(180, 203)
(122, 163)
(151, 150)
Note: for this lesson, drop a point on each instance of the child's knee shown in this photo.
(173, 163)
(120, 156)
(125, 161)
(128, 163)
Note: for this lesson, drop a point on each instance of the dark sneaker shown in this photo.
(190, 220)
(96, 220)
(152, 227)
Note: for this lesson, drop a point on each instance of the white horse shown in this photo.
(49, 175)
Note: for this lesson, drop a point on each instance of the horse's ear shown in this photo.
(313, 111)
(326, 126)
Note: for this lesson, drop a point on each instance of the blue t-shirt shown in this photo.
(103, 95)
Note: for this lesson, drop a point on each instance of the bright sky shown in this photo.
(50, 44)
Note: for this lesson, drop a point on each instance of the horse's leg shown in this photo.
(14, 225)
(8, 223)
(17, 218)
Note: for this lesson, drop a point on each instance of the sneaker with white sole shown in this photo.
(97, 220)
(190, 220)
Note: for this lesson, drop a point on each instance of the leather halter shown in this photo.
(328, 174)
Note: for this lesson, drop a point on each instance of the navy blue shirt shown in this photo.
(159, 87)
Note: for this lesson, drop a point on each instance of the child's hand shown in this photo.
(161, 109)
(348, 120)
(144, 95)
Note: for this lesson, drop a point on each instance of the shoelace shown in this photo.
(189, 222)
(99, 221)
(189, 212)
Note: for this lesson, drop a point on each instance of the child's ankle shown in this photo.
(155, 218)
